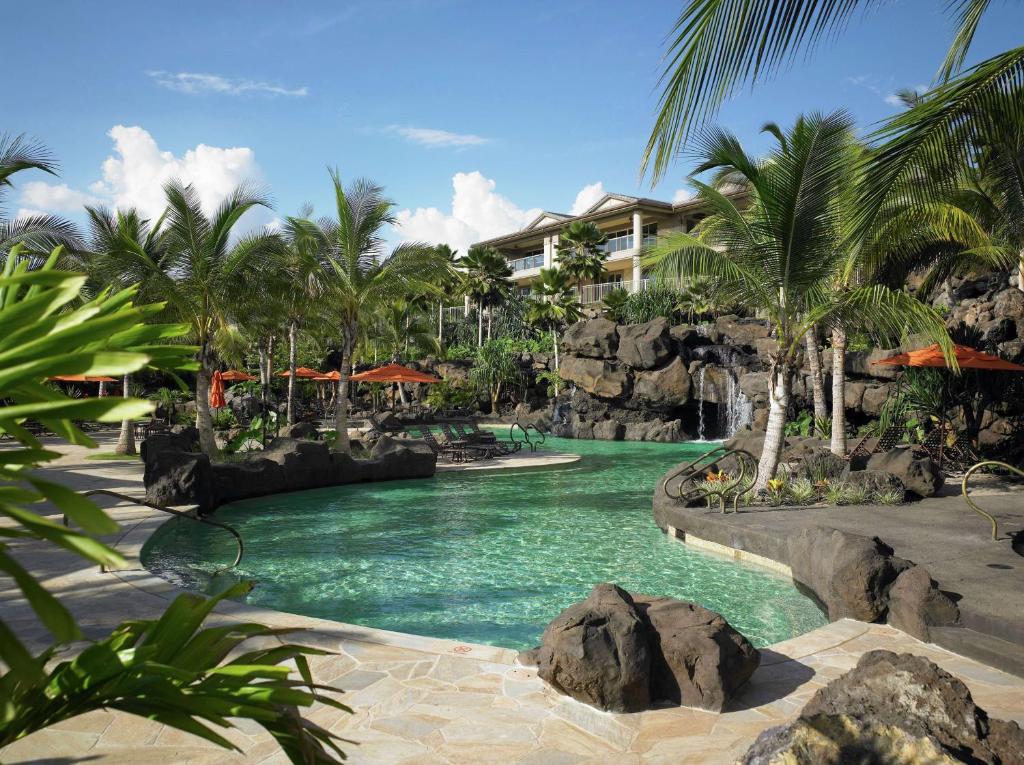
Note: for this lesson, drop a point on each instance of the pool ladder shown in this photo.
(533, 444)
(681, 484)
(178, 513)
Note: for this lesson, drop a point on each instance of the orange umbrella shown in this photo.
(82, 378)
(217, 390)
(305, 372)
(394, 373)
(329, 377)
(233, 375)
(967, 358)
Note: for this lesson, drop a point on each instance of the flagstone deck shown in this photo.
(423, 700)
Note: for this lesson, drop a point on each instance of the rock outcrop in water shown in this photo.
(623, 652)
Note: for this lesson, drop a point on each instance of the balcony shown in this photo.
(528, 263)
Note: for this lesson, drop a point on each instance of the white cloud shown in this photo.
(589, 196)
(28, 212)
(478, 212)
(134, 175)
(683, 195)
(893, 100)
(198, 82)
(435, 138)
(55, 197)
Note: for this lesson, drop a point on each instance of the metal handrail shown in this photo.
(970, 502)
(526, 434)
(692, 470)
(178, 513)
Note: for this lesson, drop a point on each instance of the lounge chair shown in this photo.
(442, 451)
(949, 453)
(472, 433)
(476, 450)
(888, 440)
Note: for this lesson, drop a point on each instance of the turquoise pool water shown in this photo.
(484, 557)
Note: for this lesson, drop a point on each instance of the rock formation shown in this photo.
(623, 652)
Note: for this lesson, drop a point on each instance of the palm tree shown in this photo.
(39, 234)
(554, 305)
(202, 273)
(486, 277)
(124, 249)
(779, 255)
(360, 280)
(301, 286)
(451, 282)
(580, 254)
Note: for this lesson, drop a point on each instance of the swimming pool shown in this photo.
(483, 557)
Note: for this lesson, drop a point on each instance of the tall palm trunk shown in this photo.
(126, 439)
(554, 339)
(292, 352)
(778, 405)
(341, 443)
(440, 322)
(207, 442)
(490, 318)
(817, 381)
(479, 323)
(839, 392)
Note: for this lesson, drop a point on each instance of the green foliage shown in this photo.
(495, 370)
(802, 425)
(447, 395)
(890, 497)
(168, 670)
(251, 437)
(247, 388)
(580, 253)
(645, 306)
(552, 382)
(458, 352)
(223, 419)
(802, 491)
(614, 305)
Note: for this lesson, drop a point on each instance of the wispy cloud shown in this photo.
(198, 83)
(437, 138)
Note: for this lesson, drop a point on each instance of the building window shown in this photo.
(532, 259)
(650, 234)
(618, 241)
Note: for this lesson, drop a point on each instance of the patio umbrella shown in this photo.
(395, 373)
(217, 390)
(233, 375)
(967, 358)
(82, 378)
(303, 372)
(329, 377)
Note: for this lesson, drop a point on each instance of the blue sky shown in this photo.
(519, 105)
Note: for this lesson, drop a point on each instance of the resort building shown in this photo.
(619, 217)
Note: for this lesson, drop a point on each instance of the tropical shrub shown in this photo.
(223, 419)
(449, 395)
(495, 370)
(552, 382)
(458, 352)
(614, 305)
(648, 305)
(802, 491)
(168, 670)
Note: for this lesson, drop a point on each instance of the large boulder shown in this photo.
(919, 475)
(742, 332)
(644, 346)
(666, 387)
(609, 430)
(180, 439)
(698, 659)
(621, 652)
(391, 459)
(898, 709)
(599, 378)
(655, 430)
(303, 430)
(916, 604)
(596, 651)
(877, 483)
(306, 464)
(595, 339)
(175, 477)
(254, 476)
(849, 573)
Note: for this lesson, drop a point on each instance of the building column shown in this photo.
(638, 236)
(549, 252)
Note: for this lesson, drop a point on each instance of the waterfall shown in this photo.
(700, 403)
(737, 411)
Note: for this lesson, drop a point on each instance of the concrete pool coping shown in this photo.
(431, 700)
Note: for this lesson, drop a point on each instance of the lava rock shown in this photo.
(595, 339)
(919, 475)
(698, 659)
(596, 651)
(609, 430)
(849, 573)
(667, 387)
(391, 459)
(877, 482)
(175, 477)
(916, 604)
(599, 378)
(302, 430)
(644, 346)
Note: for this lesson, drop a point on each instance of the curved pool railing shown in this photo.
(177, 513)
(533, 444)
(694, 470)
(970, 502)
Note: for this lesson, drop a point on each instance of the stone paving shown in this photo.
(423, 700)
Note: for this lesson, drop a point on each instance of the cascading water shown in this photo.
(738, 410)
(700, 404)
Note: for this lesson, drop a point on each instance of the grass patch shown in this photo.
(113, 457)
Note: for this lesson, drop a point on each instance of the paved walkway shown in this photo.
(422, 700)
